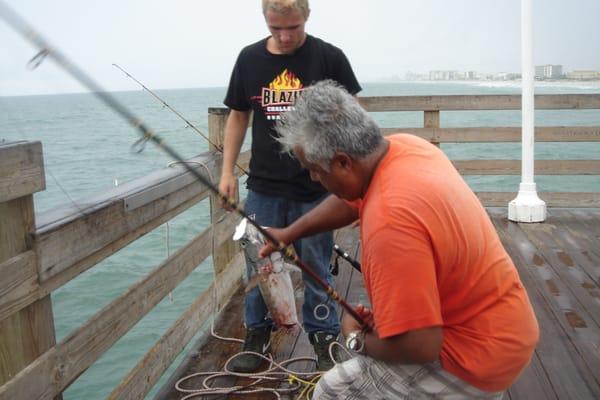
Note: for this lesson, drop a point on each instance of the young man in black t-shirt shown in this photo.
(266, 79)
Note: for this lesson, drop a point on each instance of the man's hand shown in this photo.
(279, 234)
(349, 324)
(228, 186)
(366, 314)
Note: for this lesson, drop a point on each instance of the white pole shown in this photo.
(527, 93)
(527, 207)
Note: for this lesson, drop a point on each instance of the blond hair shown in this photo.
(286, 6)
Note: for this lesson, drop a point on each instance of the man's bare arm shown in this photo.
(418, 346)
(235, 131)
(330, 214)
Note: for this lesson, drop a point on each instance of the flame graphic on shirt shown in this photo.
(280, 95)
(285, 81)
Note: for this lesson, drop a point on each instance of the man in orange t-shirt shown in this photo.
(449, 316)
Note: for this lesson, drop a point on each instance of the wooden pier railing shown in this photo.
(39, 254)
(432, 106)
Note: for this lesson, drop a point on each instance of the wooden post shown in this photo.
(28, 333)
(432, 120)
(223, 254)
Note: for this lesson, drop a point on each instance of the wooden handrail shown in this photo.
(513, 167)
(478, 102)
(486, 134)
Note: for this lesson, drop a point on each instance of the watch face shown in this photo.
(354, 342)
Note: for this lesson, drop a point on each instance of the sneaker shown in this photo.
(321, 342)
(258, 340)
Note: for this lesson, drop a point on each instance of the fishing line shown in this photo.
(47, 169)
(188, 123)
(147, 134)
(62, 189)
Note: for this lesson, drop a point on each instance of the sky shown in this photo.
(194, 43)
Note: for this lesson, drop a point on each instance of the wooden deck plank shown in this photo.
(578, 288)
(583, 247)
(590, 219)
(561, 349)
(209, 353)
(533, 383)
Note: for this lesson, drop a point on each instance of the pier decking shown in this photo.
(559, 263)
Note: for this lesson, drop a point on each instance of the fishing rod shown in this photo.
(188, 123)
(337, 248)
(347, 257)
(45, 50)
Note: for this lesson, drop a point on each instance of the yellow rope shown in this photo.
(309, 386)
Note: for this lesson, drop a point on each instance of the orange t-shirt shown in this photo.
(431, 257)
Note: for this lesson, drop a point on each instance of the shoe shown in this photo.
(321, 342)
(258, 340)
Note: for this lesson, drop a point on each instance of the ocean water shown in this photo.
(87, 149)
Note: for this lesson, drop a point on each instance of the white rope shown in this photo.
(274, 373)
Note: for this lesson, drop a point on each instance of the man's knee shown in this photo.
(336, 382)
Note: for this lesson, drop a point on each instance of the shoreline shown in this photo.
(576, 84)
(515, 83)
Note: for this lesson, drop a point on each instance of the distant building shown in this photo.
(443, 75)
(548, 71)
(413, 76)
(583, 75)
(539, 72)
(505, 76)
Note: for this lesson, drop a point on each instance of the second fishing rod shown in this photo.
(340, 252)
(147, 134)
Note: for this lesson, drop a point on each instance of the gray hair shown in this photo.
(285, 6)
(326, 119)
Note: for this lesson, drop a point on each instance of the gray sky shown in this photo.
(183, 44)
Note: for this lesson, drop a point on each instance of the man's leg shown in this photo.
(365, 378)
(267, 211)
(319, 313)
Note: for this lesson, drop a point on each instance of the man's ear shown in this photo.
(343, 161)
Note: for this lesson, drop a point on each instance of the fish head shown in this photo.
(240, 230)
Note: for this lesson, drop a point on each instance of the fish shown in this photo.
(272, 276)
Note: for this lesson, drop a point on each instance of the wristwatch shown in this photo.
(356, 341)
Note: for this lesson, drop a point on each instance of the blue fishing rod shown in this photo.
(46, 50)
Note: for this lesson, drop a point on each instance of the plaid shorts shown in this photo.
(365, 378)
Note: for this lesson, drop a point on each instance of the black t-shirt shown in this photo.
(268, 84)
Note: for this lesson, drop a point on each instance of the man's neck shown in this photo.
(273, 49)
(371, 162)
